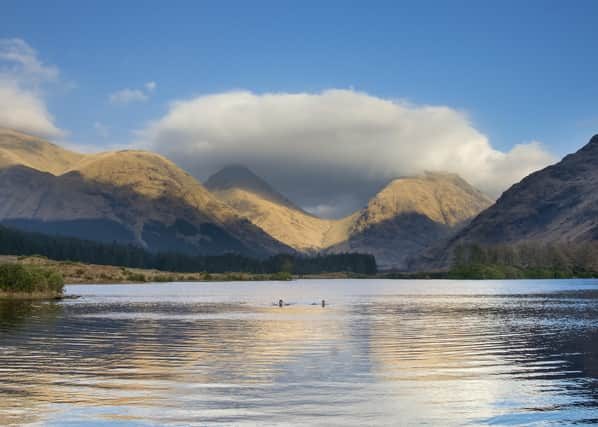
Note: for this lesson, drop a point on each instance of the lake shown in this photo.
(382, 352)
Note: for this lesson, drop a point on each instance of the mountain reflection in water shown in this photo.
(380, 353)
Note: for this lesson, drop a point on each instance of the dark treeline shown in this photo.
(16, 242)
(526, 260)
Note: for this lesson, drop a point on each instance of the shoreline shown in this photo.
(78, 273)
(32, 296)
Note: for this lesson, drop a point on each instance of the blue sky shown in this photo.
(522, 71)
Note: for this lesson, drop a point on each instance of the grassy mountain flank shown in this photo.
(400, 221)
(129, 196)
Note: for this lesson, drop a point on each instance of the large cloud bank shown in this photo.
(331, 150)
(335, 148)
(22, 102)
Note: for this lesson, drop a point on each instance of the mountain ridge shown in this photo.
(433, 204)
(410, 214)
(140, 197)
(556, 204)
(160, 206)
(236, 176)
(18, 148)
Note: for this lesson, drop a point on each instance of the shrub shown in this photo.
(282, 275)
(136, 277)
(29, 279)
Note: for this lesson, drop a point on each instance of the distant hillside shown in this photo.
(405, 218)
(255, 199)
(141, 198)
(238, 177)
(411, 214)
(126, 196)
(556, 205)
(17, 148)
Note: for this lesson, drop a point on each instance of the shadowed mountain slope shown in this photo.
(401, 220)
(255, 199)
(239, 177)
(128, 196)
(411, 214)
(558, 204)
(142, 198)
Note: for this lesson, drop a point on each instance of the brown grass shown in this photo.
(80, 273)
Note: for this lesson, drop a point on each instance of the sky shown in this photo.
(326, 100)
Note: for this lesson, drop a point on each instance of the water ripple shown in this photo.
(207, 355)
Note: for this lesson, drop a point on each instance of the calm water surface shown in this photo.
(380, 353)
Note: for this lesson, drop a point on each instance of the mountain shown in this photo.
(142, 198)
(238, 177)
(411, 214)
(255, 199)
(126, 196)
(17, 148)
(403, 219)
(558, 204)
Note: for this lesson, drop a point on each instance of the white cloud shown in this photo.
(25, 110)
(325, 148)
(126, 96)
(22, 101)
(22, 59)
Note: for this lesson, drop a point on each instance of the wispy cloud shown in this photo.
(22, 78)
(20, 58)
(128, 96)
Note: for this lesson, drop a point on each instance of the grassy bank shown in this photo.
(493, 272)
(500, 272)
(79, 273)
(29, 281)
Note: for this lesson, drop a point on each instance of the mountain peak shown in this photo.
(234, 175)
(443, 197)
(237, 176)
(19, 148)
(588, 151)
